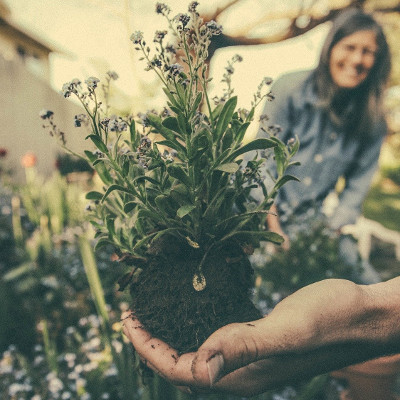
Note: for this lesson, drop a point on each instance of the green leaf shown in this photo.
(171, 97)
(257, 144)
(295, 147)
(216, 112)
(156, 122)
(197, 102)
(101, 243)
(99, 143)
(115, 187)
(103, 173)
(132, 131)
(285, 179)
(184, 210)
(251, 115)
(174, 145)
(172, 124)
(142, 178)
(259, 235)
(228, 167)
(225, 117)
(91, 157)
(164, 204)
(182, 123)
(241, 132)
(94, 195)
(178, 173)
(280, 159)
(128, 207)
(110, 226)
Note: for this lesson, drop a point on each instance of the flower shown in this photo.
(159, 36)
(117, 124)
(175, 69)
(70, 87)
(28, 160)
(162, 8)
(214, 28)
(79, 119)
(267, 81)
(92, 82)
(45, 114)
(113, 75)
(137, 37)
(183, 19)
(193, 6)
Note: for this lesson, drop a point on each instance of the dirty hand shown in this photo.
(320, 328)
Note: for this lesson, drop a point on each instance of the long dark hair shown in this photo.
(366, 99)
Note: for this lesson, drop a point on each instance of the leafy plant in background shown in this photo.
(312, 257)
(176, 202)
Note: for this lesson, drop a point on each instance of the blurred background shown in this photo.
(60, 308)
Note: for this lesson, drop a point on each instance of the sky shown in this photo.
(93, 34)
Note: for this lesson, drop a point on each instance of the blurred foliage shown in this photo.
(313, 256)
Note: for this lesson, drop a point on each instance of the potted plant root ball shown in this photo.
(176, 200)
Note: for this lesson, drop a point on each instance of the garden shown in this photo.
(146, 188)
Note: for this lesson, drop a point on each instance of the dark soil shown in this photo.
(166, 303)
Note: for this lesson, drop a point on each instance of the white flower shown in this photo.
(92, 82)
(55, 385)
(137, 37)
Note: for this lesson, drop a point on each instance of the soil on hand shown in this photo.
(166, 303)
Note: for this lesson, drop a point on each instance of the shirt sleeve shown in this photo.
(358, 179)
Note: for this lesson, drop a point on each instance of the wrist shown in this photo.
(383, 310)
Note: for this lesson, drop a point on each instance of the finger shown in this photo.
(160, 357)
(231, 347)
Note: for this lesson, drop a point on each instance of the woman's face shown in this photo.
(352, 58)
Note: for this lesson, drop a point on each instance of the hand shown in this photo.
(274, 225)
(320, 328)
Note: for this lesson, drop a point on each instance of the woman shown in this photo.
(336, 112)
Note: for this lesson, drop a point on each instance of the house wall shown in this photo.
(15, 45)
(22, 96)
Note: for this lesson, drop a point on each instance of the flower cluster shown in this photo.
(77, 367)
(49, 124)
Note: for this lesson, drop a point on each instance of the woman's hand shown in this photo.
(274, 225)
(320, 328)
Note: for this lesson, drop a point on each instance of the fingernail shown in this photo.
(215, 367)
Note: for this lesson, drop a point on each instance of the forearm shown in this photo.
(341, 324)
(338, 312)
(273, 220)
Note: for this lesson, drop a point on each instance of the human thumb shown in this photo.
(226, 350)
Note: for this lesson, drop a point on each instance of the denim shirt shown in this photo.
(324, 153)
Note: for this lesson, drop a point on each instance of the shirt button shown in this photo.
(333, 136)
(318, 158)
(307, 181)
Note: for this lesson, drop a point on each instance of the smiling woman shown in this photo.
(336, 112)
(352, 59)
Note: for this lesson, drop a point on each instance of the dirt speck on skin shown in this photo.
(250, 324)
(152, 346)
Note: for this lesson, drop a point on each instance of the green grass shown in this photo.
(383, 205)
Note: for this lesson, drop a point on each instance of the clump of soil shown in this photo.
(166, 303)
